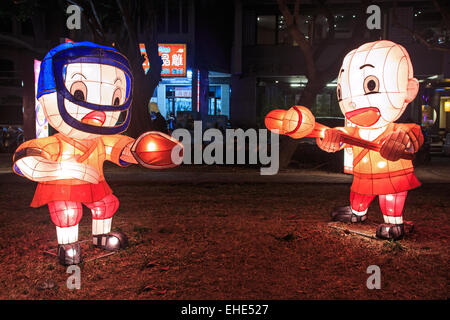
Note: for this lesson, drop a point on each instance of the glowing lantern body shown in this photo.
(375, 84)
(297, 122)
(85, 91)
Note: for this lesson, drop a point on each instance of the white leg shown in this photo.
(359, 213)
(393, 220)
(101, 226)
(67, 234)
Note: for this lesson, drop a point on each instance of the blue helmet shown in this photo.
(52, 78)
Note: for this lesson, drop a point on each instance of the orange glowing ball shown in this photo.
(154, 150)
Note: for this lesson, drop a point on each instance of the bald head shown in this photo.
(377, 75)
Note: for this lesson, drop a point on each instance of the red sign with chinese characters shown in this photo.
(173, 56)
(174, 59)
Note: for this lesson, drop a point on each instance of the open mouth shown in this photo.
(95, 118)
(364, 117)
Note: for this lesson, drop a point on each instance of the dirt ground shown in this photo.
(229, 241)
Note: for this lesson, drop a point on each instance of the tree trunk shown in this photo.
(287, 144)
(144, 86)
(28, 96)
(140, 119)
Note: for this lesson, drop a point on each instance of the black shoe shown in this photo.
(345, 214)
(112, 241)
(390, 231)
(69, 254)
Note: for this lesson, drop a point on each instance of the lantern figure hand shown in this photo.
(395, 144)
(331, 141)
(157, 150)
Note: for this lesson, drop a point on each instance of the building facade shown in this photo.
(200, 90)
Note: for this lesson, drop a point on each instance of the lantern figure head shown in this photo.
(376, 83)
(85, 90)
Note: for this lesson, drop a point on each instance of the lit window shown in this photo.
(266, 29)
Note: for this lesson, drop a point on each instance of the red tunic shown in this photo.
(60, 148)
(375, 175)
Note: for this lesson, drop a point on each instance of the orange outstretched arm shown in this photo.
(299, 122)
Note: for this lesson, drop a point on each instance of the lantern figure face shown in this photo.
(376, 83)
(84, 88)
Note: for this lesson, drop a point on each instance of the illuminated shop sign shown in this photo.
(173, 56)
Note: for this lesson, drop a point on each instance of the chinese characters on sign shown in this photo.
(173, 57)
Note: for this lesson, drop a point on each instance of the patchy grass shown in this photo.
(229, 241)
(393, 246)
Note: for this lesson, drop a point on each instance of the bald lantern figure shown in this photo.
(375, 85)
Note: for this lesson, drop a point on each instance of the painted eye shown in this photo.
(339, 92)
(79, 91)
(371, 84)
(116, 97)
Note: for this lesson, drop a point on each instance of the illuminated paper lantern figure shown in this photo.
(375, 84)
(297, 122)
(85, 90)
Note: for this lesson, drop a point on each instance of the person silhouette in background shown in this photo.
(157, 121)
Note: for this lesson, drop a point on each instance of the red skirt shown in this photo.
(85, 193)
(385, 183)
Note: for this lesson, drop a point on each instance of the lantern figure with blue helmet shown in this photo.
(87, 80)
(85, 90)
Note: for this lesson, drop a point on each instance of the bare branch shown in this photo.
(444, 13)
(300, 38)
(296, 11)
(328, 73)
(331, 30)
(415, 34)
(124, 10)
(21, 43)
(94, 13)
(151, 43)
(94, 25)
